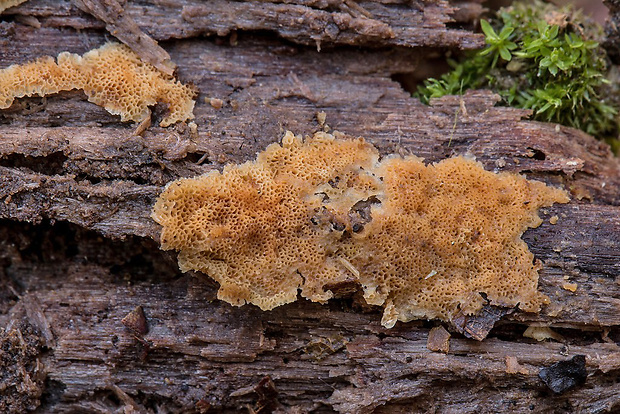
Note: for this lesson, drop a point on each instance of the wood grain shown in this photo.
(318, 23)
(78, 250)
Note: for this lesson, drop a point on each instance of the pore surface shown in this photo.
(423, 241)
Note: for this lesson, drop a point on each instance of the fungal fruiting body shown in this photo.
(111, 76)
(5, 4)
(423, 241)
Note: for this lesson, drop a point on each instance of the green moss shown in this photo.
(541, 58)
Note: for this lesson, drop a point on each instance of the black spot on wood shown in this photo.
(565, 375)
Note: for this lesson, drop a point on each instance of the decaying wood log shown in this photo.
(78, 250)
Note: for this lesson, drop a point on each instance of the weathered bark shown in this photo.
(87, 182)
(309, 22)
(123, 26)
(612, 29)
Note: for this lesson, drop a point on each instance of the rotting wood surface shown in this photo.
(310, 22)
(87, 182)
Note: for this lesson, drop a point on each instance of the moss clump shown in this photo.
(542, 58)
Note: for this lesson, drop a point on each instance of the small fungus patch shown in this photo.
(5, 4)
(111, 76)
(423, 241)
(542, 333)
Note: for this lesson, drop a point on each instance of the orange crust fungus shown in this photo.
(423, 241)
(5, 4)
(111, 76)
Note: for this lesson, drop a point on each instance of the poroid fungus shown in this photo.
(423, 241)
(111, 76)
(5, 4)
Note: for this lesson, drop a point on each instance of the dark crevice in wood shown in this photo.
(52, 164)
